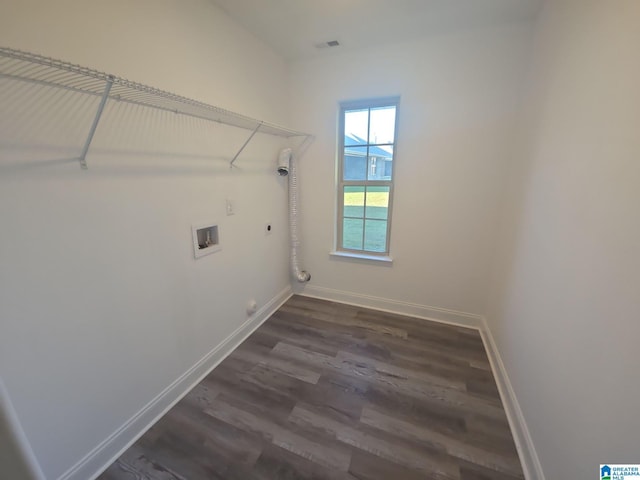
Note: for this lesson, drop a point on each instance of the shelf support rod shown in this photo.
(245, 144)
(96, 120)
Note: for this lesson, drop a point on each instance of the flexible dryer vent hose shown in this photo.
(301, 275)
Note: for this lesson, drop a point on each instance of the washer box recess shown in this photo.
(206, 239)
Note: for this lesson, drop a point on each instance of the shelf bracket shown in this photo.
(245, 144)
(96, 120)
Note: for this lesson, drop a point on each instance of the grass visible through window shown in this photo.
(365, 218)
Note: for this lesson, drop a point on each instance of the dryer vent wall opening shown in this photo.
(284, 162)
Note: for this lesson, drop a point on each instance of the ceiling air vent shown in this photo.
(330, 43)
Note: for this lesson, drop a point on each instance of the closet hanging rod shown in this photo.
(30, 67)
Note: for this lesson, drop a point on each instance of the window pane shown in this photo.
(365, 182)
(388, 164)
(377, 203)
(353, 202)
(356, 126)
(375, 235)
(355, 163)
(352, 233)
(383, 125)
(379, 165)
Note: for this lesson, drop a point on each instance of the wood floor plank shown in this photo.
(136, 466)
(274, 362)
(303, 356)
(365, 466)
(490, 460)
(493, 435)
(236, 384)
(470, 471)
(323, 395)
(323, 340)
(433, 415)
(413, 328)
(328, 391)
(236, 445)
(410, 458)
(202, 395)
(191, 459)
(278, 463)
(302, 336)
(427, 392)
(275, 433)
(385, 368)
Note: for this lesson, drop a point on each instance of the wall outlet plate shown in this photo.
(268, 228)
(230, 207)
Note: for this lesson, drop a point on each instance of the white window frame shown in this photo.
(341, 183)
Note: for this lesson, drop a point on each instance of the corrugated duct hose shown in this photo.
(287, 163)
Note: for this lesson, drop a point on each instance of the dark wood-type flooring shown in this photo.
(329, 391)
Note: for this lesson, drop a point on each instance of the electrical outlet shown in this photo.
(268, 228)
(252, 307)
(230, 207)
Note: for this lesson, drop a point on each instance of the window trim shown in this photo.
(369, 103)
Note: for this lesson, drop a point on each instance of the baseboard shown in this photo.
(96, 461)
(436, 314)
(521, 435)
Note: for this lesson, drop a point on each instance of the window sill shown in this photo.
(362, 256)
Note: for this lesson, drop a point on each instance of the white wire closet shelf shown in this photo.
(31, 67)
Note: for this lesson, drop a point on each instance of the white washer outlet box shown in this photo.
(206, 239)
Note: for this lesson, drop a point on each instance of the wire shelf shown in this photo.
(31, 67)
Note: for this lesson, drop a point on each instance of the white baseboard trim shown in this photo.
(436, 314)
(521, 435)
(98, 459)
(526, 449)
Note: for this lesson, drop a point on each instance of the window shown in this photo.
(365, 175)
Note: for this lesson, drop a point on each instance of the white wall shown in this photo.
(97, 317)
(102, 305)
(566, 298)
(458, 100)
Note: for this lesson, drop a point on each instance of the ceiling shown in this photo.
(293, 27)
